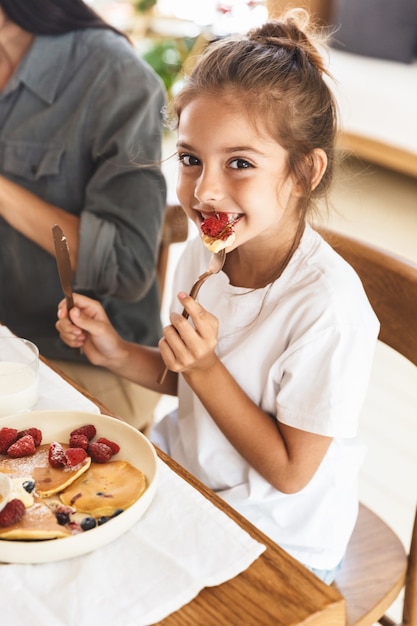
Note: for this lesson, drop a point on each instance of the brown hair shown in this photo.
(276, 71)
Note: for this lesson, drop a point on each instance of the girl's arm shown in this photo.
(286, 457)
(87, 327)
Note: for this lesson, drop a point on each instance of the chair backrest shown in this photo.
(174, 230)
(391, 285)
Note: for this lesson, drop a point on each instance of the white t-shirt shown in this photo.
(302, 349)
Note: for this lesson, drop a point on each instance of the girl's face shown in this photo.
(227, 165)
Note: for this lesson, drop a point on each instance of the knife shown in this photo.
(63, 264)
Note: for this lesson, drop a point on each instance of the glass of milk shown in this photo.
(19, 375)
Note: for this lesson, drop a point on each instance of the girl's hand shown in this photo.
(185, 348)
(87, 326)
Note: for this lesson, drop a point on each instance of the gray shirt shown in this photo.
(80, 127)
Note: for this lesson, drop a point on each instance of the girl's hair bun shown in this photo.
(295, 33)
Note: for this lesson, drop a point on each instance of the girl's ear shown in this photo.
(315, 166)
(319, 159)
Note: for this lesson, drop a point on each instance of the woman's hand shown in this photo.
(87, 326)
(185, 348)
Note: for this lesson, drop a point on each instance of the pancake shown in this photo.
(216, 244)
(104, 488)
(38, 523)
(48, 480)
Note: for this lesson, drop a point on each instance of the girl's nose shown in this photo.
(208, 187)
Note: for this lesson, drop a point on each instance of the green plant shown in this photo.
(144, 5)
(166, 57)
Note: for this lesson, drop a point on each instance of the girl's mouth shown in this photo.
(217, 230)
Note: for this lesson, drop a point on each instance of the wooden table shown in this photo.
(274, 590)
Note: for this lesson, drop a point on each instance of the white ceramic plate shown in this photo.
(134, 447)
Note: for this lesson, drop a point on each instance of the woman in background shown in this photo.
(80, 112)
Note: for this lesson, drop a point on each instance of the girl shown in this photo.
(272, 367)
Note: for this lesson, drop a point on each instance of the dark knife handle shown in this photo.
(69, 302)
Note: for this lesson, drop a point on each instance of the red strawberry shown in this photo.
(56, 455)
(115, 448)
(25, 446)
(35, 432)
(215, 224)
(7, 437)
(89, 430)
(74, 456)
(78, 441)
(12, 513)
(99, 452)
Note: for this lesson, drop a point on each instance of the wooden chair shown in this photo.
(377, 566)
(174, 230)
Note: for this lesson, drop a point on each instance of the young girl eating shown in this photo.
(272, 366)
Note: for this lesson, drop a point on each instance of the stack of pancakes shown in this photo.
(89, 488)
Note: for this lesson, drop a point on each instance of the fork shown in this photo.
(215, 266)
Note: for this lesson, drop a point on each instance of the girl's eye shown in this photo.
(240, 164)
(188, 159)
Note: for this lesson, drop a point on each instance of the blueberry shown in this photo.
(88, 523)
(29, 485)
(62, 518)
(117, 512)
(103, 519)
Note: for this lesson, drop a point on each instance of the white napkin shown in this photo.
(182, 544)
(54, 391)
